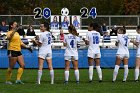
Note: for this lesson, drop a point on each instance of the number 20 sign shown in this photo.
(46, 13)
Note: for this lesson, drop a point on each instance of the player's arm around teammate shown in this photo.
(71, 53)
(122, 54)
(14, 53)
(45, 51)
(92, 39)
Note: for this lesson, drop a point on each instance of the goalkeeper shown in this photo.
(14, 53)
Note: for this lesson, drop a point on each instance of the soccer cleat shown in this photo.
(136, 80)
(90, 81)
(52, 82)
(113, 81)
(38, 83)
(19, 82)
(8, 82)
(124, 81)
(65, 82)
(77, 82)
(100, 81)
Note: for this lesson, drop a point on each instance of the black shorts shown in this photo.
(12, 53)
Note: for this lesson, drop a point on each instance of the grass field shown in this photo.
(30, 75)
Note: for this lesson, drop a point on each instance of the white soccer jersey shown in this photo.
(123, 42)
(138, 41)
(94, 38)
(71, 48)
(45, 38)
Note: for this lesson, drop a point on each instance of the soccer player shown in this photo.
(93, 39)
(137, 43)
(45, 51)
(71, 53)
(122, 53)
(14, 53)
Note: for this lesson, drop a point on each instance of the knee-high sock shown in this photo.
(90, 72)
(136, 73)
(76, 72)
(99, 71)
(115, 73)
(19, 73)
(39, 76)
(66, 75)
(125, 72)
(52, 76)
(8, 74)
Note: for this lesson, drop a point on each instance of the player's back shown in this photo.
(71, 48)
(46, 39)
(94, 38)
(123, 42)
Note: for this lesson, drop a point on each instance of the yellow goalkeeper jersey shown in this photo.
(15, 42)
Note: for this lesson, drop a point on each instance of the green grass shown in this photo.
(30, 77)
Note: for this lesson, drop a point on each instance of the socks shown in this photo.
(115, 73)
(9, 74)
(136, 73)
(39, 76)
(19, 73)
(125, 72)
(76, 72)
(52, 76)
(99, 71)
(90, 72)
(66, 75)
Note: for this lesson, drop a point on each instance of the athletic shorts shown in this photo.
(12, 53)
(93, 55)
(122, 56)
(71, 58)
(45, 56)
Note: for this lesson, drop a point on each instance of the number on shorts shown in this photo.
(95, 40)
(72, 43)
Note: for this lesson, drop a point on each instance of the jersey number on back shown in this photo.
(49, 40)
(72, 43)
(126, 40)
(95, 40)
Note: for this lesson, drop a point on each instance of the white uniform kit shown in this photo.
(94, 49)
(45, 50)
(123, 42)
(94, 52)
(71, 51)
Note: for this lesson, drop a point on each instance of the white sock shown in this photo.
(52, 76)
(136, 74)
(115, 73)
(66, 75)
(39, 76)
(125, 72)
(90, 72)
(76, 72)
(99, 71)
